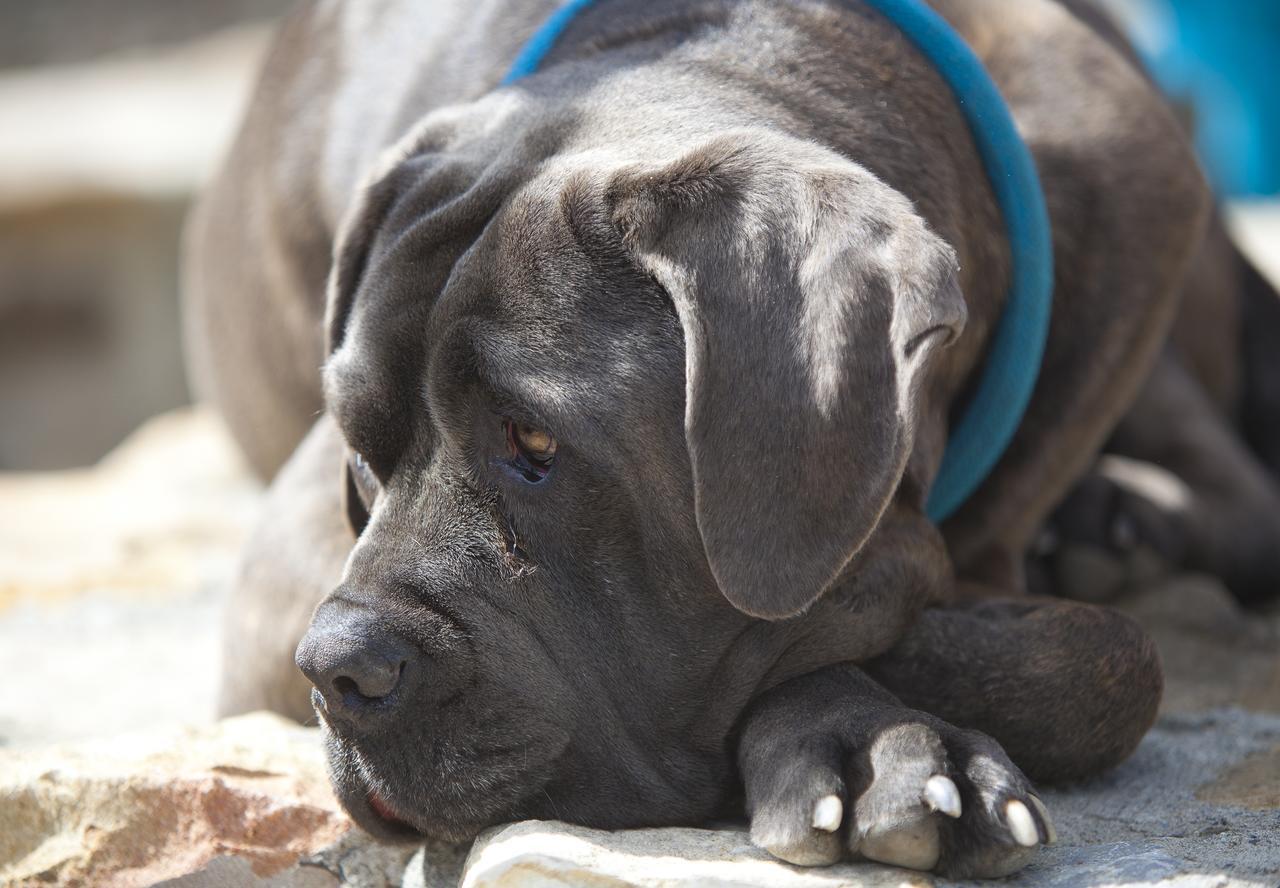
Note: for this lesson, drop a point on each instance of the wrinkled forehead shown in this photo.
(554, 312)
(542, 307)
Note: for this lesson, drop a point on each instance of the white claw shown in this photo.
(1021, 824)
(940, 794)
(828, 813)
(1050, 832)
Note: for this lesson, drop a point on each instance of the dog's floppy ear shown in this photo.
(447, 175)
(355, 242)
(811, 296)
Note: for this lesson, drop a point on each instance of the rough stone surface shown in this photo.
(1194, 806)
(245, 802)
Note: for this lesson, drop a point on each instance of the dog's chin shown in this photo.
(375, 815)
(410, 808)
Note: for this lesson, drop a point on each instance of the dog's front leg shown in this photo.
(834, 765)
(293, 559)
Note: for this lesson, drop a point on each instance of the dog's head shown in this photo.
(612, 419)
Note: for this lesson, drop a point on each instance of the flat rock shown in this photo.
(1194, 806)
(243, 803)
(247, 803)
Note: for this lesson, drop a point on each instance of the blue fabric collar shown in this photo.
(1016, 349)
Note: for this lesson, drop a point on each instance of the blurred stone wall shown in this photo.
(45, 32)
(89, 341)
(111, 116)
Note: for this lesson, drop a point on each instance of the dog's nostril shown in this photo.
(372, 680)
(344, 686)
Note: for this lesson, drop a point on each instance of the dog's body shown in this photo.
(1190, 479)
(743, 260)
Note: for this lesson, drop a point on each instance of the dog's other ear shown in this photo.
(355, 243)
(445, 177)
(811, 296)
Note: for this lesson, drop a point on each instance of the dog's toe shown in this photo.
(816, 843)
(1004, 823)
(896, 814)
(798, 810)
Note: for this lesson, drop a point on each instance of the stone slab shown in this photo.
(1195, 806)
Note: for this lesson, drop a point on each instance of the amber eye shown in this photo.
(532, 450)
(362, 476)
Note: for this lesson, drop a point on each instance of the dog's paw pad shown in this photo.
(913, 845)
(817, 846)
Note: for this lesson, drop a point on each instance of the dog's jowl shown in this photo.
(609, 502)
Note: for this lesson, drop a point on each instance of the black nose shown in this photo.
(354, 665)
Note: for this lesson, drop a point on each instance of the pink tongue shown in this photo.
(380, 808)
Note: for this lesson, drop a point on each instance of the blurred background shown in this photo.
(111, 556)
(111, 116)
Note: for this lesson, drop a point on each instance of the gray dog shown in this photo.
(636, 375)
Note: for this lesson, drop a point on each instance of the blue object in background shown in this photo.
(1223, 58)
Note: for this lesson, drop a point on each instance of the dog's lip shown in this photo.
(380, 807)
(377, 815)
(379, 812)
(387, 816)
(368, 807)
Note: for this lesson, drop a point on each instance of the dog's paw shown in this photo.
(914, 793)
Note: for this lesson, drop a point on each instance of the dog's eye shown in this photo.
(366, 482)
(359, 492)
(532, 450)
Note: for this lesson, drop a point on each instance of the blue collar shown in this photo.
(976, 443)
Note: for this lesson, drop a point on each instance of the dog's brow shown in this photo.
(370, 422)
(517, 387)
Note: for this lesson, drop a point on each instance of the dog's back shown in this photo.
(342, 82)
